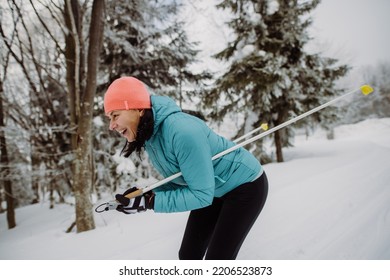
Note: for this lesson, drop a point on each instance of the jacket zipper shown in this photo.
(156, 161)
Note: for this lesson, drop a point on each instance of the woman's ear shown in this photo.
(141, 112)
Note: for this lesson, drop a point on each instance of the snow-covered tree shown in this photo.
(34, 103)
(57, 46)
(272, 78)
(6, 183)
(145, 39)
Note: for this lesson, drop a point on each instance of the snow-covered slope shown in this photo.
(329, 200)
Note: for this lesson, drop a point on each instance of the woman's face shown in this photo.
(125, 122)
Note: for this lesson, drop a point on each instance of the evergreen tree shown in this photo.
(271, 78)
(146, 40)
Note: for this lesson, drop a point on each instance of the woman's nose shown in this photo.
(112, 125)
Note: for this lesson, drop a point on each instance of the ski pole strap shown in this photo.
(111, 205)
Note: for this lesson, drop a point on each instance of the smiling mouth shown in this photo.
(122, 132)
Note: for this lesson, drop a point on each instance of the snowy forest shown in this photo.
(58, 58)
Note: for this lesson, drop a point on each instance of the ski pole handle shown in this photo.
(134, 194)
(113, 204)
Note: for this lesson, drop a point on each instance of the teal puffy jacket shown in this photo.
(184, 143)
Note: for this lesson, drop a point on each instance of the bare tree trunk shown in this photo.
(1, 203)
(278, 145)
(34, 177)
(83, 106)
(279, 136)
(5, 166)
(71, 14)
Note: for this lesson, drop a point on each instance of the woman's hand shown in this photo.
(136, 204)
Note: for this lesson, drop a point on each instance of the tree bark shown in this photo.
(278, 146)
(83, 113)
(4, 161)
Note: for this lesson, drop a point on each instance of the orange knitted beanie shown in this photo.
(126, 93)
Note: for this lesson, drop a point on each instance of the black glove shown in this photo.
(134, 205)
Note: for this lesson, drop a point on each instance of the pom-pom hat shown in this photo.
(126, 93)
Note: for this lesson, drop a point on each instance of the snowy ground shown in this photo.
(329, 200)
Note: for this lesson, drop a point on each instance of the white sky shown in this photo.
(353, 30)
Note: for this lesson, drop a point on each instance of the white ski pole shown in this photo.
(365, 89)
(263, 126)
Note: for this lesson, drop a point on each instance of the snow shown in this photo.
(329, 200)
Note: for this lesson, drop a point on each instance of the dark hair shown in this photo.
(144, 132)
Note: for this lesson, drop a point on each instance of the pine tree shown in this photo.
(145, 39)
(271, 76)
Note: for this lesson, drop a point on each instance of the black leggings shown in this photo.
(222, 227)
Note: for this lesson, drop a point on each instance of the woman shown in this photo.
(225, 196)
